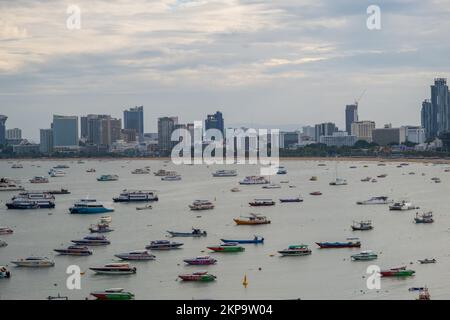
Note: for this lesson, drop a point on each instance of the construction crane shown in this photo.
(360, 97)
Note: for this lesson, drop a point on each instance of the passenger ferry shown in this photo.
(251, 180)
(201, 276)
(108, 177)
(366, 255)
(113, 294)
(7, 184)
(376, 200)
(74, 251)
(296, 250)
(115, 269)
(140, 255)
(34, 262)
(30, 200)
(201, 260)
(136, 196)
(89, 206)
(201, 205)
(92, 241)
(39, 179)
(362, 225)
(225, 173)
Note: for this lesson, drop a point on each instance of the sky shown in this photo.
(284, 63)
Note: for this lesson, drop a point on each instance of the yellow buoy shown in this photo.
(245, 282)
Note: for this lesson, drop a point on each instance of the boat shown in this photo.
(376, 200)
(293, 199)
(382, 175)
(17, 166)
(108, 177)
(59, 191)
(366, 179)
(136, 255)
(374, 180)
(90, 170)
(196, 233)
(115, 269)
(100, 228)
(271, 186)
(313, 178)
(136, 196)
(253, 219)
(252, 180)
(255, 240)
(235, 189)
(34, 262)
(92, 241)
(198, 276)
(366, 255)
(146, 207)
(113, 294)
(74, 251)
(61, 166)
(201, 260)
(3, 243)
(402, 206)
(163, 173)
(163, 245)
(54, 173)
(426, 261)
(89, 206)
(426, 217)
(316, 193)
(424, 294)
(38, 179)
(227, 247)
(58, 297)
(322, 165)
(338, 182)
(281, 170)
(141, 171)
(7, 184)
(224, 173)
(362, 225)
(296, 250)
(4, 273)
(171, 178)
(397, 272)
(105, 219)
(6, 230)
(262, 203)
(31, 200)
(201, 205)
(350, 243)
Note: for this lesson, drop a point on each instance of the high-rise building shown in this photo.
(3, 129)
(46, 141)
(440, 107)
(426, 116)
(102, 130)
(134, 119)
(351, 115)
(215, 121)
(65, 132)
(309, 131)
(338, 139)
(415, 134)
(84, 127)
(389, 135)
(166, 125)
(14, 134)
(289, 139)
(363, 130)
(324, 129)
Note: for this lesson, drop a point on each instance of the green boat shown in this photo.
(202, 276)
(227, 247)
(364, 256)
(397, 272)
(113, 294)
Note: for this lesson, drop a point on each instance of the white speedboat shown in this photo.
(376, 200)
(136, 255)
(402, 206)
(56, 173)
(271, 186)
(225, 173)
(115, 269)
(34, 262)
(251, 180)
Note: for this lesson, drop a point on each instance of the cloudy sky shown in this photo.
(281, 62)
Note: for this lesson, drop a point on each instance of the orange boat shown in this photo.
(253, 219)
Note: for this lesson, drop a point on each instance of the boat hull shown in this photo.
(227, 249)
(113, 295)
(243, 241)
(75, 210)
(114, 271)
(250, 223)
(337, 245)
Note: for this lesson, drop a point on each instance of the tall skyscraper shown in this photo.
(325, 129)
(215, 121)
(166, 125)
(426, 116)
(46, 141)
(134, 119)
(3, 129)
(440, 107)
(101, 129)
(84, 127)
(65, 131)
(351, 115)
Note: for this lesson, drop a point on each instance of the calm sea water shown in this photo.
(326, 274)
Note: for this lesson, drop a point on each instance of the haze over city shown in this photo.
(282, 63)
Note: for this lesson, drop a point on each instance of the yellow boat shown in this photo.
(253, 219)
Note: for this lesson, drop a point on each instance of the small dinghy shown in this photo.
(147, 207)
(426, 261)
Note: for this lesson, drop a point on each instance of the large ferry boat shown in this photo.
(225, 173)
(89, 206)
(31, 200)
(7, 184)
(251, 180)
(136, 196)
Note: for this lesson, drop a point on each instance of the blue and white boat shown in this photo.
(281, 170)
(89, 206)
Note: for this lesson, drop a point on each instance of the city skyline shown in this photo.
(230, 57)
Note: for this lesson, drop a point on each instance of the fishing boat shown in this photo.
(252, 180)
(100, 228)
(115, 269)
(171, 178)
(255, 240)
(296, 250)
(424, 294)
(382, 175)
(4, 273)
(224, 173)
(322, 165)
(7, 184)
(74, 251)
(146, 207)
(366, 255)
(397, 272)
(316, 193)
(362, 225)
(163, 173)
(426, 217)
(281, 170)
(139, 255)
(105, 219)
(253, 219)
(92, 241)
(426, 261)
(113, 294)
(6, 230)
(38, 179)
(262, 203)
(313, 178)
(108, 177)
(350, 243)
(366, 179)
(17, 166)
(54, 173)
(34, 262)
(227, 247)
(201, 205)
(90, 170)
(376, 200)
(235, 189)
(3, 243)
(293, 199)
(136, 196)
(196, 233)
(89, 206)
(163, 245)
(141, 171)
(201, 260)
(271, 186)
(61, 166)
(201, 276)
(402, 206)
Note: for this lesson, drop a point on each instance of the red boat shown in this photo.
(316, 193)
(198, 276)
(397, 272)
